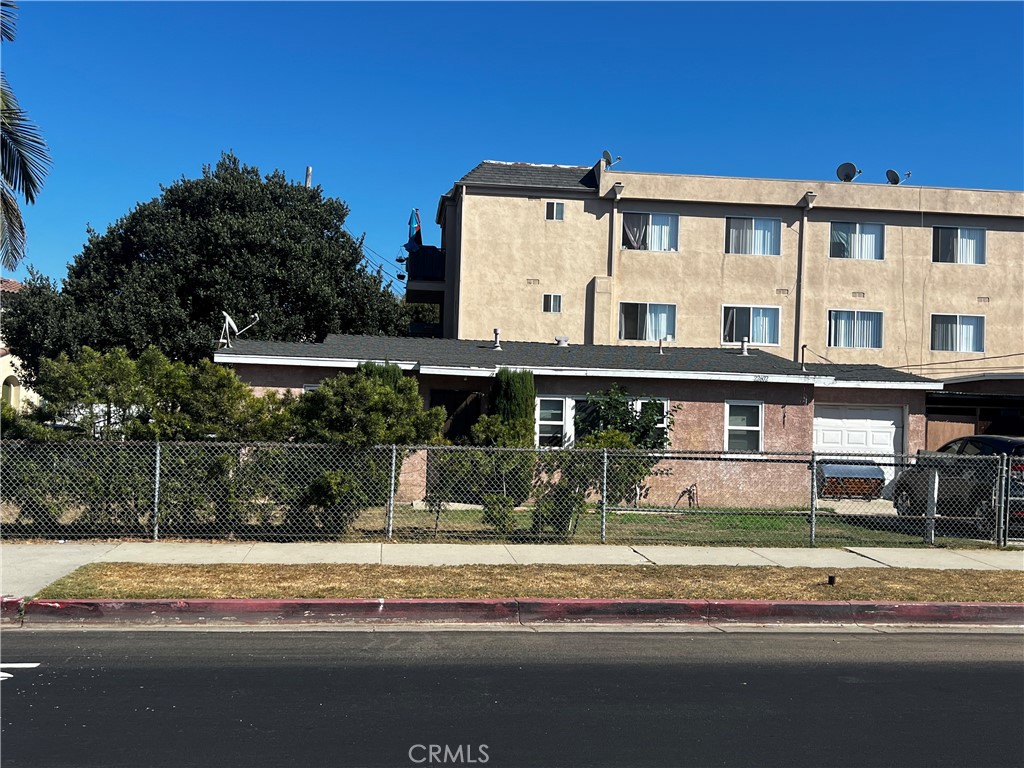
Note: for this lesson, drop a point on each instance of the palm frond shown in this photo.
(12, 231)
(23, 150)
(8, 19)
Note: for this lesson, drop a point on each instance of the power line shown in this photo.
(965, 360)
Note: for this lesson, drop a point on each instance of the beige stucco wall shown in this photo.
(509, 256)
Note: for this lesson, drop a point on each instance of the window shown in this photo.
(310, 387)
(551, 421)
(958, 245)
(552, 302)
(958, 333)
(650, 231)
(760, 325)
(554, 211)
(742, 425)
(561, 421)
(857, 241)
(756, 237)
(854, 329)
(647, 322)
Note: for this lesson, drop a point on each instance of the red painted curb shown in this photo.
(267, 611)
(525, 611)
(10, 610)
(683, 611)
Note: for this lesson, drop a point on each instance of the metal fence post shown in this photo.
(1002, 502)
(391, 492)
(933, 503)
(604, 497)
(814, 497)
(156, 496)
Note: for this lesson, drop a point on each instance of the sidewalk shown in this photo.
(27, 568)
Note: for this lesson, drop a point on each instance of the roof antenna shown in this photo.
(230, 328)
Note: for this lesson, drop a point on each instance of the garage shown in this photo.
(859, 429)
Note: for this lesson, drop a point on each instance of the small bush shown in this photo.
(335, 499)
(498, 512)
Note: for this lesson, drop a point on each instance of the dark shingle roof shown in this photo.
(862, 373)
(496, 174)
(460, 353)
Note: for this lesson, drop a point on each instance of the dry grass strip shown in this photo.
(144, 581)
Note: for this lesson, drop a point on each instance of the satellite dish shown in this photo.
(229, 323)
(607, 156)
(230, 328)
(847, 172)
(894, 178)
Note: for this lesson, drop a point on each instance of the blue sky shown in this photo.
(393, 102)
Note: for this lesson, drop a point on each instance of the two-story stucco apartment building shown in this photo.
(929, 281)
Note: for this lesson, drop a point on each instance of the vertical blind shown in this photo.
(850, 328)
(958, 333)
(756, 237)
(856, 241)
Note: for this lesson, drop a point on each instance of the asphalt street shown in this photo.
(297, 699)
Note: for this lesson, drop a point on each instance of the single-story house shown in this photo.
(723, 400)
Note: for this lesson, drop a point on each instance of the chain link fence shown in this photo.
(330, 492)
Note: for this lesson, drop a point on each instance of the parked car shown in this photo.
(967, 486)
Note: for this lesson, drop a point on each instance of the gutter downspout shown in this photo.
(806, 203)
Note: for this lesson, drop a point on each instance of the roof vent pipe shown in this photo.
(743, 347)
(561, 341)
(497, 338)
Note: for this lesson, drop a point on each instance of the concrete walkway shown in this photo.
(27, 568)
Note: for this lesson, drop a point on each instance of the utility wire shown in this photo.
(965, 360)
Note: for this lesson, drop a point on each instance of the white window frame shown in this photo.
(623, 240)
(668, 337)
(778, 325)
(931, 332)
(759, 429)
(569, 416)
(554, 210)
(567, 423)
(310, 387)
(856, 312)
(552, 303)
(857, 232)
(984, 246)
(754, 220)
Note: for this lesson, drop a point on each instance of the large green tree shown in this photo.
(231, 240)
(25, 156)
(112, 396)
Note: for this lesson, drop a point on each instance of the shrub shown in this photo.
(498, 512)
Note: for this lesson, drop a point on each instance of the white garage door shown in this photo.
(857, 429)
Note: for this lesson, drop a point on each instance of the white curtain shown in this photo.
(663, 232)
(971, 334)
(868, 334)
(970, 247)
(867, 242)
(764, 325)
(661, 322)
(767, 234)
